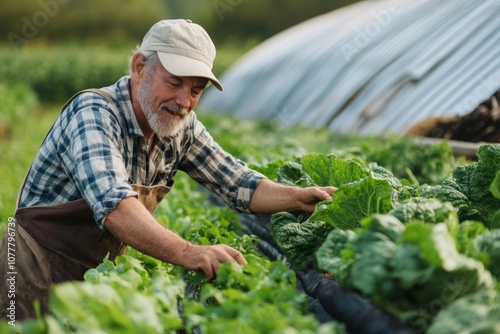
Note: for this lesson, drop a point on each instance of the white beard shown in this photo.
(162, 126)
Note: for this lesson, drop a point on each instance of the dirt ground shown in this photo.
(481, 125)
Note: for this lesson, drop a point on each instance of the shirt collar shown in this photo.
(124, 103)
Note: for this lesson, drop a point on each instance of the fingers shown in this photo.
(236, 255)
(209, 258)
(314, 195)
(318, 194)
(329, 190)
(327, 193)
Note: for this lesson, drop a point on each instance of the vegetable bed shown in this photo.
(411, 239)
(419, 253)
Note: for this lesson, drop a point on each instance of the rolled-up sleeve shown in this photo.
(92, 159)
(220, 172)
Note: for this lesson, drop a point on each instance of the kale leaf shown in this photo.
(475, 180)
(298, 238)
(424, 209)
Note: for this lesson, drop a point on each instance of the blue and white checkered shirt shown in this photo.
(96, 150)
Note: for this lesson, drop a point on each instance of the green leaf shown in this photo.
(330, 255)
(450, 191)
(475, 180)
(474, 313)
(292, 174)
(467, 232)
(488, 243)
(298, 241)
(331, 170)
(355, 201)
(495, 186)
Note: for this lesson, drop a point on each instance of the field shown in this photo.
(406, 221)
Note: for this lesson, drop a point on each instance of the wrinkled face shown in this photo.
(166, 100)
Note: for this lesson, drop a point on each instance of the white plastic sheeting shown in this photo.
(370, 68)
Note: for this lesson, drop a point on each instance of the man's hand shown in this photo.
(135, 226)
(309, 197)
(209, 258)
(270, 197)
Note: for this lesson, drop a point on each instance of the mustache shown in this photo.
(174, 109)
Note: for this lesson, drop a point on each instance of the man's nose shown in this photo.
(183, 97)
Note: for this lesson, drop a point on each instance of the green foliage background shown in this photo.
(114, 22)
(57, 47)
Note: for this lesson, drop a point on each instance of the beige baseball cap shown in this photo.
(185, 49)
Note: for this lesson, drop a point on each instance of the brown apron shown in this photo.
(55, 244)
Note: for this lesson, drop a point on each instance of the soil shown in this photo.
(481, 125)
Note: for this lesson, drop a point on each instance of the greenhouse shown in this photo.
(370, 68)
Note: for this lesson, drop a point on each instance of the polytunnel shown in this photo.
(370, 68)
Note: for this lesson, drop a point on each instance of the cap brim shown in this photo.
(188, 67)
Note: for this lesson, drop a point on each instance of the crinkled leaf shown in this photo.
(450, 191)
(298, 241)
(355, 201)
(331, 170)
(428, 211)
(475, 180)
(292, 174)
(400, 192)
(329, 255)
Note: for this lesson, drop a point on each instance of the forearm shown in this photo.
(270, 197)
(135, 226)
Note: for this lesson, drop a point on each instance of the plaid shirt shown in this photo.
(96, 149)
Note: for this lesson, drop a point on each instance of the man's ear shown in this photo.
(137, 66)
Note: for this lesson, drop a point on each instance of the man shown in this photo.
(110, 158)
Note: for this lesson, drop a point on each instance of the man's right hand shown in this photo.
(131, 223)
(209, 258)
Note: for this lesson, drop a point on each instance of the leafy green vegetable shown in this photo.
(298, 238)
(475, 180)
(333, 255)
(409, 159)
(401, 192)
(488, 245)
(361, 193)
(495, 191)
(450, 191)
(273, 305)
(360, 260)
(119, 298)
(403, 268)
(332, 170)
(467, 232)
(321, 170)
(292, 174)
(495, 186)
(356, 200)
(426, 210)
(478, 312)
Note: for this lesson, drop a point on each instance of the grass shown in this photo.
(17, 152)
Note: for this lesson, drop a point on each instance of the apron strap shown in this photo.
(98, 91)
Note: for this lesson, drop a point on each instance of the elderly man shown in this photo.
(110, 158)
